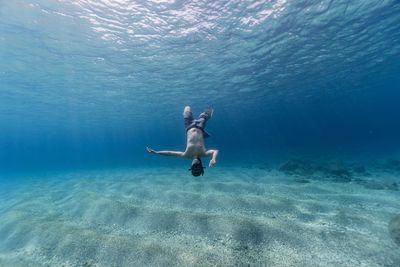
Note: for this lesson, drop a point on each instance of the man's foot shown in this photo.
(187, 108)
(209, 111)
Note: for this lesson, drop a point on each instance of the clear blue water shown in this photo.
(93, 82)
(86, 85)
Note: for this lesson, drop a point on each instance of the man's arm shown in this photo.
(213, 153)
(165, 153)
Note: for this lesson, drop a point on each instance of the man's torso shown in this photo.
(195, 144)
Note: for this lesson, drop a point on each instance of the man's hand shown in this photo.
(212, 163)
(151, 151)
(213, 153)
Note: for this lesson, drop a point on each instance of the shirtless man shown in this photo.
(195, 131)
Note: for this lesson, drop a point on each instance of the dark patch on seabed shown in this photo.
(394, 229)
(338, 171)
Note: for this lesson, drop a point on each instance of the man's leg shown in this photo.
(187, 116)
(204, 117)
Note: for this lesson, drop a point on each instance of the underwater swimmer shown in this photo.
(195, 149)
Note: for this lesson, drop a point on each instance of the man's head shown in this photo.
(197, 167)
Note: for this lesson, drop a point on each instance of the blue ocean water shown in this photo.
(86, 85)
(94, 82)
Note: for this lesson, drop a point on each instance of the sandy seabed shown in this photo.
(166, 217)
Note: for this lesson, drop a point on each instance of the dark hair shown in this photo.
(197, 168)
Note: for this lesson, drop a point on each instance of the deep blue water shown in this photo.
(89, 84)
